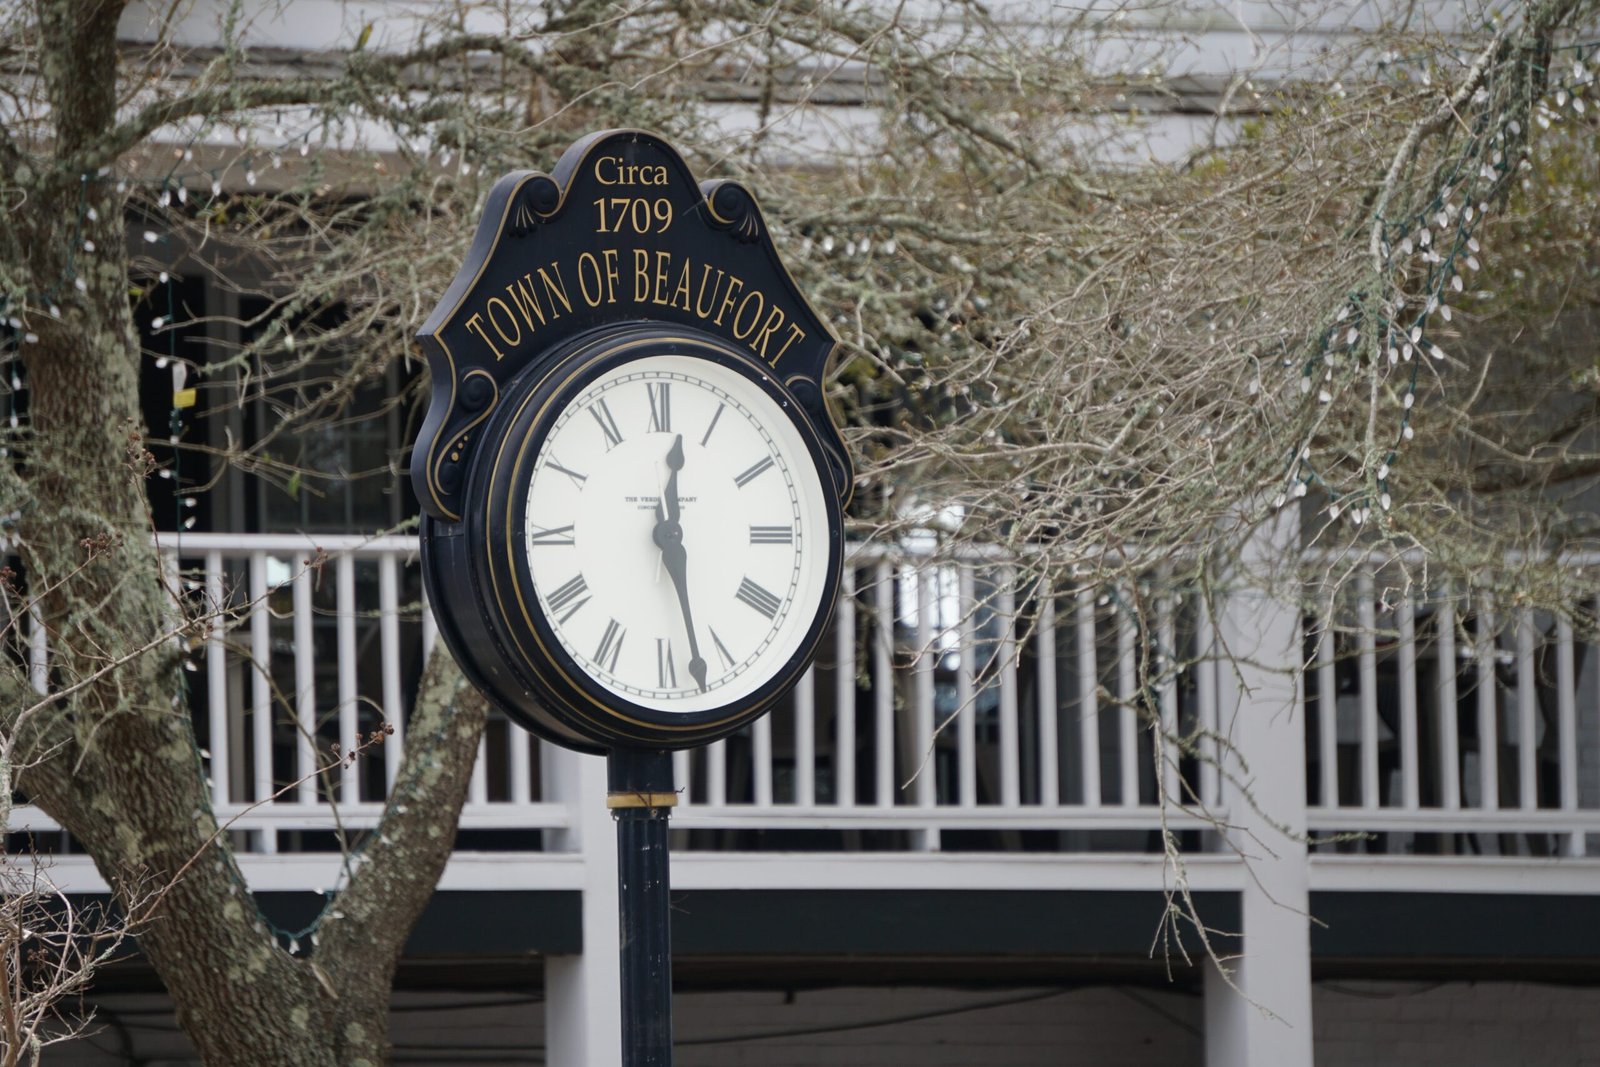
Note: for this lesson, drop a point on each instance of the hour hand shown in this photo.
(674, 464)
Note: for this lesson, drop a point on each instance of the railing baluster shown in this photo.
(305, 687)
(1567, 728)
(478, 784)
(1527, 715)
(1367, 668)
(1328, 710)
(389, 640)
(1206, 692)
(1010, 763)
(805, 739)
(1410, 786)
(681, 773)
(1167, 692)
(1088, 702)
(1449, 739)
(1208, 749)
(761, 758)
(1128, 691)
(38, 650)
(844, 643)
(924, 765)
(172, 573)
(966, 690)
(1594, 696)
(261, 692)
(521, 765)
(1488, 731)
(430, 629)
(717, 773)
(349, 702)
(1049, 713)
(221, 742)
(883, 682)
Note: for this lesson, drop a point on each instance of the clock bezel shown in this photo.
(496, 543)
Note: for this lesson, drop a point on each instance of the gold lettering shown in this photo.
(774, 320)
(663, 259)
(735, 287)
(475, 324)
(795, 334)
(610, 258)
(511, 342)
(705, 272)
(682, 289)
(641, 275)
(611, 170)
(557, 289)
(587, 260)
(761, 304)
(522, 294)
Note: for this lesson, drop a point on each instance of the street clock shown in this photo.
(632, 490)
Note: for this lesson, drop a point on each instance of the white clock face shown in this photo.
(687, 594)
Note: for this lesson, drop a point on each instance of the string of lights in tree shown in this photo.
(193, 190)
(1440, 235)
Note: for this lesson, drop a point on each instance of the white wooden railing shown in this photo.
(1455, 725)
(949, 710)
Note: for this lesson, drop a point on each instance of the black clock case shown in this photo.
(501, 640)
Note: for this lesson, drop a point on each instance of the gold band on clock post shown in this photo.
(641, 800)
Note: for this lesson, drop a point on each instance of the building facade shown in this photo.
(956, 815)
(1360, 833)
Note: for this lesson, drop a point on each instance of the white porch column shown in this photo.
(582, 994)
(1262, 713)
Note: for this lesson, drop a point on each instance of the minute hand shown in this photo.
(677, 564)
(669, 538)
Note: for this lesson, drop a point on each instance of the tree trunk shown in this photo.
(115, 760)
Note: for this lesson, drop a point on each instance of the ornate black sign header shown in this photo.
(619, 232)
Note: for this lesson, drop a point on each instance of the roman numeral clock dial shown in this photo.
(677, 534)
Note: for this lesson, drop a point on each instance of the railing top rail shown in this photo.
(239, 544)
(856, 550)
(1375, 556)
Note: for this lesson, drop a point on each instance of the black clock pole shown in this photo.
(640, 795)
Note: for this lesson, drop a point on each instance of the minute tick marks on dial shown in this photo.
(753, 472)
